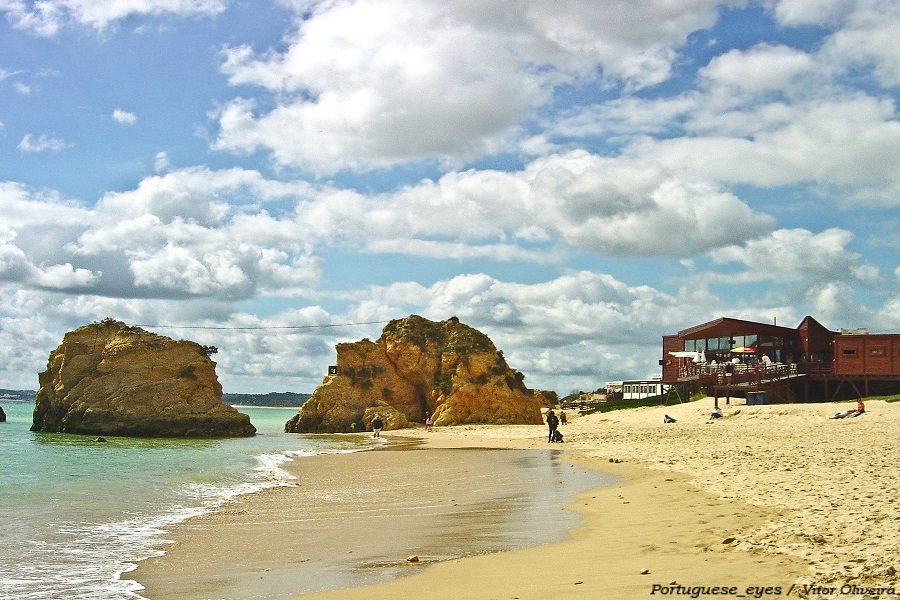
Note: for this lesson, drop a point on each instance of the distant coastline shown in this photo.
(272, 399)
(17, 395)
(276, 399)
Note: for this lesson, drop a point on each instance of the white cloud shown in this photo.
(364, 85)
(811, 12)
(179, 268)
(574, 200)
(865, 32)
(124, 117)
(846, 144)
(47, 17)
(174, 236)
(761, 69)
(161, 162)
(799, 255)
(42, 143)
(767, 116)
(64, 277)
(619, 207)
(868, 40)
(16, 265)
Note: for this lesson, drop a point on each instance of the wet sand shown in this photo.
(354, 519)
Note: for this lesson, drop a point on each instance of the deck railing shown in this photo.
(737, 372)
(815, 368)
(741, 372)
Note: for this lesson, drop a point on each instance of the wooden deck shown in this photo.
(793, 383)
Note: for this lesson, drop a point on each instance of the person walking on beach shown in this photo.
(562, 417)
(552, 424)
(377, 424)
(428, 423)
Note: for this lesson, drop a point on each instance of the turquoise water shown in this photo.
(76, 514)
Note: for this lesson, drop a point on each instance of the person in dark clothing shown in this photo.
(552, 424)
(377, 425)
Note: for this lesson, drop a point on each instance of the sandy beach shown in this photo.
(768, 502)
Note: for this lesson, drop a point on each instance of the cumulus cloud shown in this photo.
(47, 17)
(799, 255)
(845, 145)
(867, 40)
(195, 232)
(365, 84)
(189, 233)
(16, 265)
(575, 200)
(767, 116)
(759, 70)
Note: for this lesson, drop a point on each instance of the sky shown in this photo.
(575, 179)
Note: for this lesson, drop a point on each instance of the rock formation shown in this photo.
(111, 379)
(2, 415)
(547, 398)
(416, 368)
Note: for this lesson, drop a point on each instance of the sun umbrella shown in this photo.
(744, 350)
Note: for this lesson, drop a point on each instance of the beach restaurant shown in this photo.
(810, 361)
(744, 344)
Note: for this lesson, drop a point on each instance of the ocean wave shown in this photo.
(80, 558)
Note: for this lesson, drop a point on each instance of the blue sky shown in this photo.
(575, 179)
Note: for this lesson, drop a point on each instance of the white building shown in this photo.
(639, 388)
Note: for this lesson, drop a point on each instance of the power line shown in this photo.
(260, 327)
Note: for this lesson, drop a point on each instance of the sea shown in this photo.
(77, 514)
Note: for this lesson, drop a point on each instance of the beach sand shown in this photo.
(354, 519)
(769, 496)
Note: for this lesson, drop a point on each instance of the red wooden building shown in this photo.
(734, 356)
(867, 354)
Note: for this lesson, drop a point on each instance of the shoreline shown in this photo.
(354, 519)
(770, 496)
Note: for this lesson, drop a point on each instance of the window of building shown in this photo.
(849, 352)
(877, 351)
(770, 341)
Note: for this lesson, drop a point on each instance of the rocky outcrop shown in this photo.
(417, 368)
(111, 379)
(547, 398)
(2, 415)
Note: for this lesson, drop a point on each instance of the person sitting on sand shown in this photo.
(668, 419)
(716, 413)
(849, 414)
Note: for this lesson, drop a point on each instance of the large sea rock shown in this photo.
(416, 368)
(2, 415)
(109, 378)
